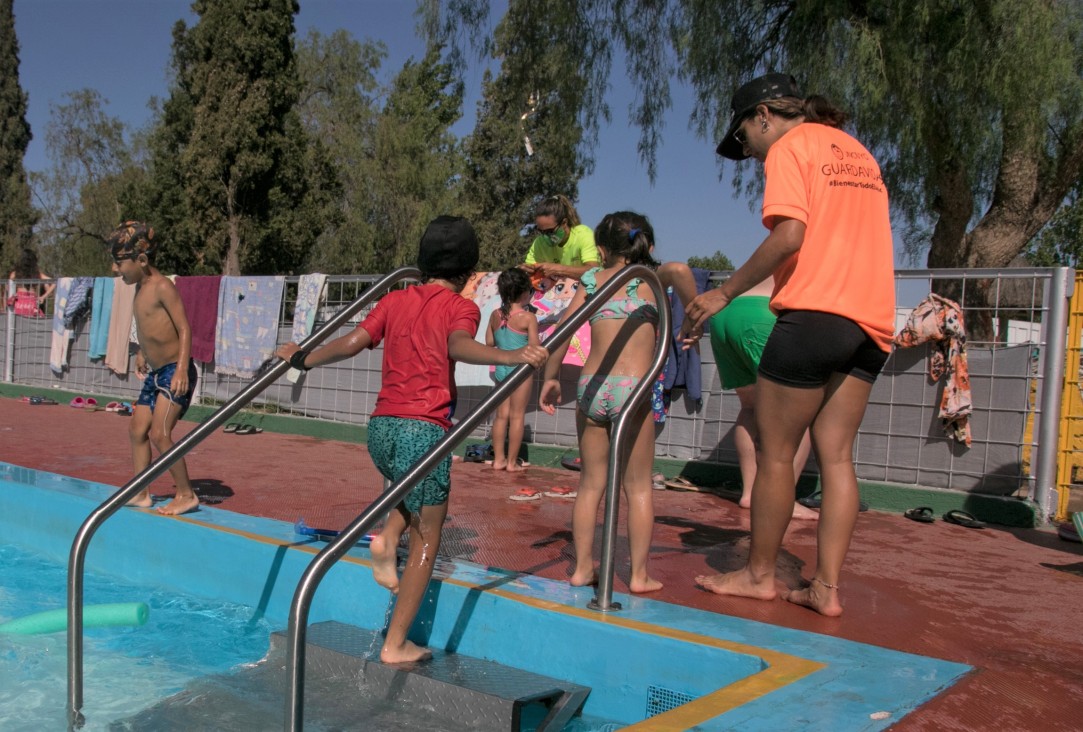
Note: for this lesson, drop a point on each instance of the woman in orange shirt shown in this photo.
(830, 252)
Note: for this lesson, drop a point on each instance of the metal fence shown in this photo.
(1016, 320)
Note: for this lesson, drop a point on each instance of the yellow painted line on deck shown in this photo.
(782, 668)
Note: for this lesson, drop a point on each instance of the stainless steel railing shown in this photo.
(318, 568)
(77, 557)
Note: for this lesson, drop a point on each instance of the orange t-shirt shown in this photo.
(826, 179)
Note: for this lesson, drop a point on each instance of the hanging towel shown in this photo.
(120, 327)
(939, 321)
(78, 306)
(309, 293)
(100, 309)
(200, 296)
(58, 354)
(683, 368)
(247, 332)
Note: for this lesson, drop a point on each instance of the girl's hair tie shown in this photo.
(633, 234)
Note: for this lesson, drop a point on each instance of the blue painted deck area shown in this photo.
(733, 673)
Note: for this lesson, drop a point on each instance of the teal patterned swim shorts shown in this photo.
(396, 444)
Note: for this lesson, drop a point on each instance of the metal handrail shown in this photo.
(337, 547)
(77, 557)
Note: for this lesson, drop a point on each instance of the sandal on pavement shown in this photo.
(962, 518)
(680, 483)
(526, 494)
(922, 514)
(815, 499)
(571, 462)
(562, 491)
(248, 429)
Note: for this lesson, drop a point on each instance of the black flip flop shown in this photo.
(962, 518)
(571, 462)
(248, 429)
(814, 499)
(922, 514)
(231, 427)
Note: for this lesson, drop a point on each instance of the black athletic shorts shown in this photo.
(806, 347)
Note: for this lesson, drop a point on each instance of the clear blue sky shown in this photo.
(121, 48)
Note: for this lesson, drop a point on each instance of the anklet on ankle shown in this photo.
(828, 585)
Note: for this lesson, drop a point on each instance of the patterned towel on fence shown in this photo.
(309, 292)
(200, 296)
(247, 333)
(939, 321)
(100, 309)
(118, 348)
(58, 354)
(78, 305)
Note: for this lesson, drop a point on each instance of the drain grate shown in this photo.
(661, 700)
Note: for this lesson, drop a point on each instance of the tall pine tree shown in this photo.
(17, 216)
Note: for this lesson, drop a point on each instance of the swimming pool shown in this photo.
(651, 666)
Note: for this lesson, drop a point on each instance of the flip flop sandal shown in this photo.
(231, 427)
(571, 463)
(78, 402)
(658, 482)
(962, 518)
(922, 514)
(112, 407)
(526, 494)
(36, 399)
(562, 491)
(815, 500)
(680, 483)
(248, 429)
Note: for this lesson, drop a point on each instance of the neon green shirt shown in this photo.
(578, 250)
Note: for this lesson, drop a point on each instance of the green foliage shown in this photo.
(1060, 244)
(717, 262)
(531, 123)
(92, 171)
(231, 153)
(975, 110)
(17, 216)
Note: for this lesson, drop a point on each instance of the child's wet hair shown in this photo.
(131, 239)
(629, 235)
(560, 208)
(511, 285)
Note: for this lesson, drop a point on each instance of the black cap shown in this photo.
(449, 247)
(768, 86)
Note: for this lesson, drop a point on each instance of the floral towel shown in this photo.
(939, 321)
(309, 293)
(58, 354)
(247, 330)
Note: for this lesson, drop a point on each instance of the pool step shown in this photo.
(348, 688)
(470, 691)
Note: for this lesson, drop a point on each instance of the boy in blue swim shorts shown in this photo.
(424, 330)
(163, 362)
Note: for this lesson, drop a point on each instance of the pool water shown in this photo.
(125, 668)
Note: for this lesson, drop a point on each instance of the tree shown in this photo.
(528, 141)
(81, 194)
(975, 110)
(231, 150)
(717, 262)
(17, 216)
(1060, 244)
(416, 160)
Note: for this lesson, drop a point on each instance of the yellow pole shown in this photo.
(1071, 408)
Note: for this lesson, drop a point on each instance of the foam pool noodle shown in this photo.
(94, 616)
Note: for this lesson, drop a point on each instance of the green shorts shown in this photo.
(738, 334)
(397, 444)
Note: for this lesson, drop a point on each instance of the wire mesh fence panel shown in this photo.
(902, 438)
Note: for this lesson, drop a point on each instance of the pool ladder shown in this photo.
(348, 537)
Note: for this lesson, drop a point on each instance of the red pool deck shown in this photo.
(1008, 602)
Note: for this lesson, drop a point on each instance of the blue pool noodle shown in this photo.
(94, 616)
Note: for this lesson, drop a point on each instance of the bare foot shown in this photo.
(142, 500)
(515, 468)
(407, 653)
(739, 584)
(648, 585)
(584, 579)
(804, 513)
(385, 561)
(181, 503)
(822, 599)
(499, 464)
(746, 501)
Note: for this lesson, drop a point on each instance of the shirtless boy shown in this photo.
(163, 361)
